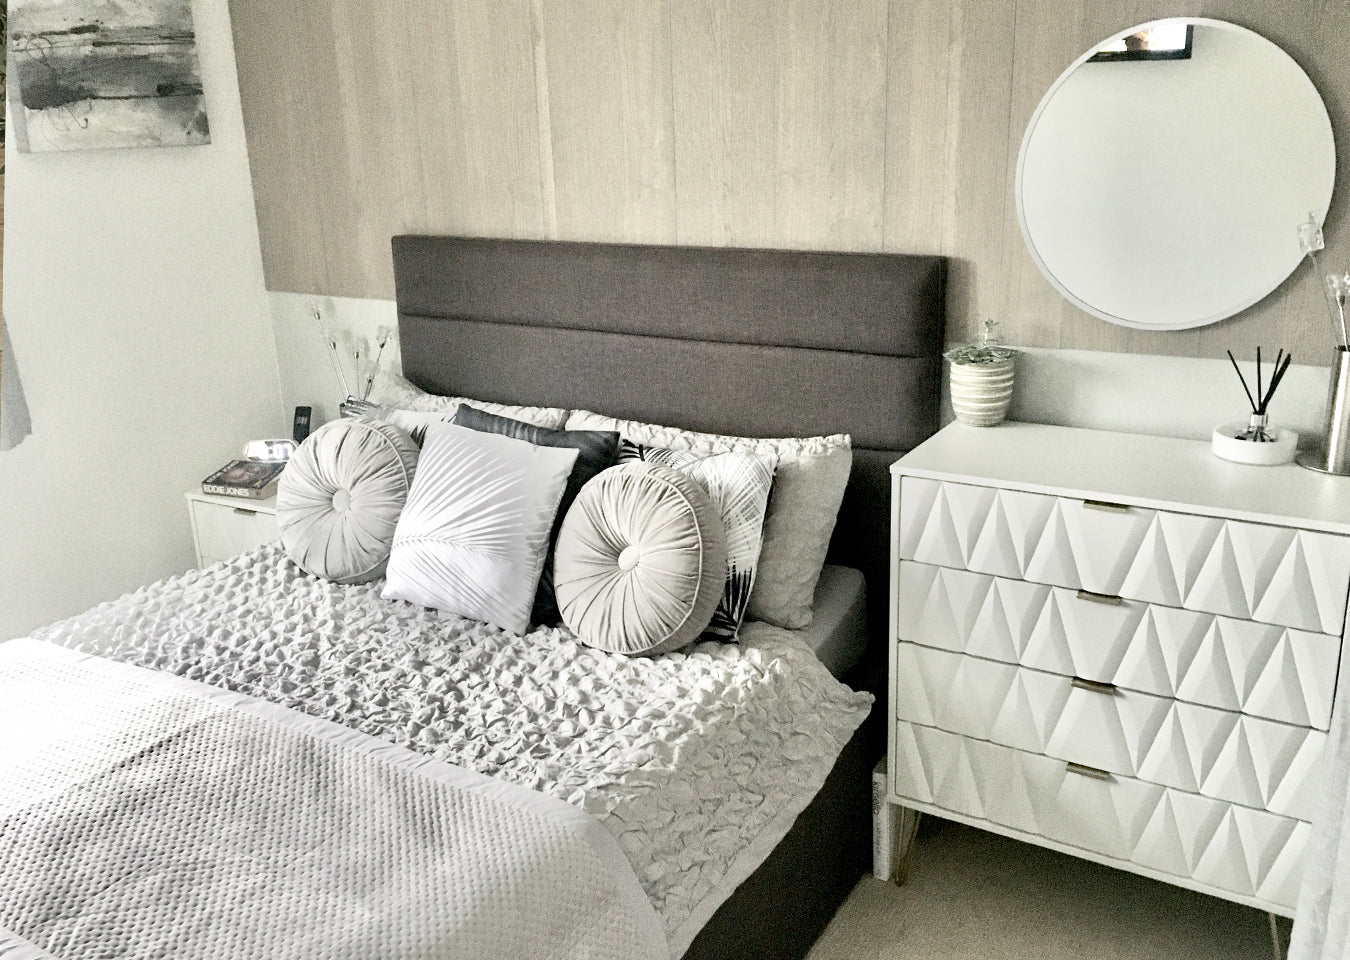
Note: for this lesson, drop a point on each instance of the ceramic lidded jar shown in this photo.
(981, 380)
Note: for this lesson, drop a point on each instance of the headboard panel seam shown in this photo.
(435, 317)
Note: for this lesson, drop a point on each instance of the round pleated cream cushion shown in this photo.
(340, 497)
(641, 560)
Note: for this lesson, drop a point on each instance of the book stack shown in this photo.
(253, 479)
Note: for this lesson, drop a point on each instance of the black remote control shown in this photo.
(300, 427)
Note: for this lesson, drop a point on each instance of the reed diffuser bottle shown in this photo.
(1256, 441)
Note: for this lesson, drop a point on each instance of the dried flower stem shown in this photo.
(1337, 289)
(1335, 303)
(382, 337)
(331, 342)
(1310, 241)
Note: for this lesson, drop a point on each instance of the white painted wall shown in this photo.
(134, 297)
(307, 375)
(1163, 396)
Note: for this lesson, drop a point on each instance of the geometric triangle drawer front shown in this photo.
(1260, 669)
(1229, 849)
(1273, 574)
(1229, 756)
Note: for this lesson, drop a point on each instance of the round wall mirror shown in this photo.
(1163, 178)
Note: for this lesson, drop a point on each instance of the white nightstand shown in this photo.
(1117, 646)
(225, 526)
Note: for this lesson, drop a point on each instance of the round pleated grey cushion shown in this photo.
(641, 560)
(340, 497)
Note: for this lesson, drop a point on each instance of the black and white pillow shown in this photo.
(738, 483)
(808, 487)
(641, 561)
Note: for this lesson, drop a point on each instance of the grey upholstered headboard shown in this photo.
(734, 341)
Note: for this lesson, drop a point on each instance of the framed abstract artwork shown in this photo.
(91, 74)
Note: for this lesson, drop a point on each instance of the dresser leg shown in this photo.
(883, 828)
(906, 828)
(1275, 937)
(893, 830)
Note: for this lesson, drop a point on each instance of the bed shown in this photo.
(737, 342)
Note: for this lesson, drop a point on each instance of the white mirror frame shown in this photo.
(1141, 278)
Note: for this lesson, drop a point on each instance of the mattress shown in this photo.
(698, 762)
(838, 631)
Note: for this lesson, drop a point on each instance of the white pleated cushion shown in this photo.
(640, 560)
(473, 536)
(340, 497)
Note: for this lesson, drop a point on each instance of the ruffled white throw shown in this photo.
(1322, 919)
(697, 762)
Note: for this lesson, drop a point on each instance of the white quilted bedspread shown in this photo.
(146, 816)
(691, 760)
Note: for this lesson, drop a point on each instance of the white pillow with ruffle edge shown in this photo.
(392, 391)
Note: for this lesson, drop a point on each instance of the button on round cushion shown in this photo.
(340, 497)
(640, 561)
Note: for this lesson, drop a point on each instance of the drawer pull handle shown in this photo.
(1094, 686)
(1106, 505)
(1083, 770)
(244, 511)
(1106, 598)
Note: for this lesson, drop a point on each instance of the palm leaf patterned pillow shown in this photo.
(738, 483)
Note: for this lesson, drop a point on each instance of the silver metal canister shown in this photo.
(1334, 455)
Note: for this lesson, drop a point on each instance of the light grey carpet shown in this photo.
(973, 894)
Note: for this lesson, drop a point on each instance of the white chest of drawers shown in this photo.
(225, 526)
(1117, 646)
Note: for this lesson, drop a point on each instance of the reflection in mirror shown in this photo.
(1164, 41)
(1164, 189)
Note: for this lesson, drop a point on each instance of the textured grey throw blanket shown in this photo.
(144, 815)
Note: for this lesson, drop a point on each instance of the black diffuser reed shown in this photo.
(1260, 401)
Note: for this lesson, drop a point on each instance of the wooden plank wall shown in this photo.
(833, 124)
